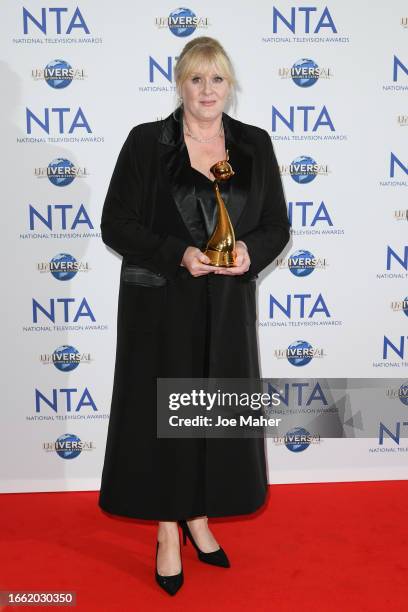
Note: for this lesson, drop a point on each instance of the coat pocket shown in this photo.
(136, 275)
(142, 300)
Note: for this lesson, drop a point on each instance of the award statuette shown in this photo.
(221, 245)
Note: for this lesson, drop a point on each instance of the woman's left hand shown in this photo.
(242, 261)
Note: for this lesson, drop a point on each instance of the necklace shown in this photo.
(188, 132)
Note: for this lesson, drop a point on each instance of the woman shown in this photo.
(178, 315)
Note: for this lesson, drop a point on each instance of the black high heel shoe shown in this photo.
(171, 584)
(217, 557)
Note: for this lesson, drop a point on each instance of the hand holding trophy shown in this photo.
(221, 245)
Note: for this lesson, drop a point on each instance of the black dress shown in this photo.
(205, 215)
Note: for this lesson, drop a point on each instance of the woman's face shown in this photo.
(205, 93)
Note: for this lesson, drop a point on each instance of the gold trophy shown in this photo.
(221, 245)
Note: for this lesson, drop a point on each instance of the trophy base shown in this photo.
(224, 259)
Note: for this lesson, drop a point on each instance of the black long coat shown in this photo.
(188, 326)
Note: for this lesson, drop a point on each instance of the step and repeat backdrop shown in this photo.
(329, 82)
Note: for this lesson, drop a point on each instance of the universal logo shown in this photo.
(305, 72)
(182, 22)
(299, 353)
(304, 169)
(302, 263)
(68, 446)
(401, 393)
(63, 266)
(65, 358)
(297, 439)
(402, 120)
(61, 172)
(58, 74)
(399, 305)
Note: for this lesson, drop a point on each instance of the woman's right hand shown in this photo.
(196, 262)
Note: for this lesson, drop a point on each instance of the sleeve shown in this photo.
(121, 223)
(266, 241)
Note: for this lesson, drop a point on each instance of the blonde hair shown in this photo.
(203, 51)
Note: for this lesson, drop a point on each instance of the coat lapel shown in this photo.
(177, 165)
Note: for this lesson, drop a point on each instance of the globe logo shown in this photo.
(405, 306)
(297, 439)
(301, 263)
(61, 172)
(66, 358)
(403, 394)
(58, 74)
(68, 446)
(182, 22)
(63, 266)
(303, 169)
(299, 353)
(305, 72)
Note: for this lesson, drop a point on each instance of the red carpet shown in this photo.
(313, 547)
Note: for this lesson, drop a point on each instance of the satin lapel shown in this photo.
(177, 164)
(174, 156)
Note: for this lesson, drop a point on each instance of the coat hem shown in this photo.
(220, 514)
